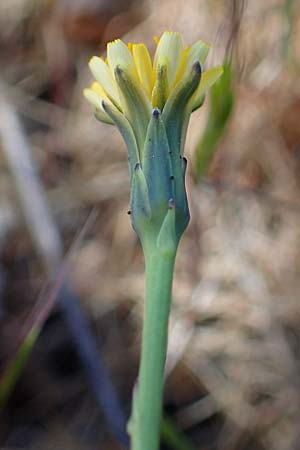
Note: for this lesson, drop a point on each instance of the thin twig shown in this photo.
(48, 244)
(30, 192)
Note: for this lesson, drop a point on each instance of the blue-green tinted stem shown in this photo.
(147, 408)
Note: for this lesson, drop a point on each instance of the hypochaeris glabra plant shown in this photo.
(150, 103)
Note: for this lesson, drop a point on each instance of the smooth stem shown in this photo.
(147, 408)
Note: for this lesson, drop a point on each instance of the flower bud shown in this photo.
(151, 105)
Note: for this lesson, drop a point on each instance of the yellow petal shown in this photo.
(144, 66)
(170, 46)
(99, 90)
(182, 65)
(93, 97)
(118, 54)
(198, 53)
(103, 75)
(208, 78)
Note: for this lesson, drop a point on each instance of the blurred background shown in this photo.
(71, 268)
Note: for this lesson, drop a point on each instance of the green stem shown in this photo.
(147, 407)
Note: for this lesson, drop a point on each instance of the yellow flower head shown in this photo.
(151, 82)
(151, 101)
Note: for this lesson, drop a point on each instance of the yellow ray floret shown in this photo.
(144, 67)
(171, 64)
(170, 46)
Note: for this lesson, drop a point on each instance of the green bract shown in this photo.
(157, 168)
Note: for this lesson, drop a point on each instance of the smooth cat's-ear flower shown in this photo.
(154, 82)
(151, 101)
